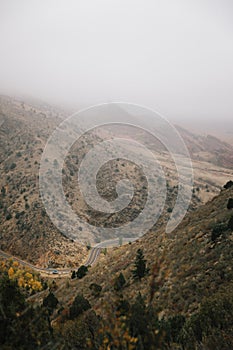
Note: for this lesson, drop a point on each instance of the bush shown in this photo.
(230, 223)
(18, 214)
(3, 191)
(73, 275)
(217, 230)
(88, 246)
(12, 166)
(82, 271)
(228, 185)
(8, 216)
(96, 289)
(230, 203)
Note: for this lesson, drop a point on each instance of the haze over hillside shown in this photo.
(116, 175)
(174, 57)
(26, 227)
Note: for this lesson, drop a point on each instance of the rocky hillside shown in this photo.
(26, 230)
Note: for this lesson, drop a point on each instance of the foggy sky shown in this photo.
(175, 56)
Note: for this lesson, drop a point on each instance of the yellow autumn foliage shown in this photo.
(11, 272)
(24, 278)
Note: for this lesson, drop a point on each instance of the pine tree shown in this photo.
(50, 302)
(119, 282)
(140, 265)
(79, 305)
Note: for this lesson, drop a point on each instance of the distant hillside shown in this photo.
(208, 148)
(27, 231)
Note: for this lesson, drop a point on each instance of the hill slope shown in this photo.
(26, 230)
(193, 264)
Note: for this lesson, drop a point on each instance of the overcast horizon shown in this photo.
(171, 56)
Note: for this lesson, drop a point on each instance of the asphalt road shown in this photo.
(93, 255)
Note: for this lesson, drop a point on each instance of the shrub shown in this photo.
(8, 216)
(12, 166)
(3, 191)
(88, 246)
(230, 203)
(82, 271)
(18, 214)
(73, 275)
(217, 230)
(96, 289)
(230, 223)
(229, 184)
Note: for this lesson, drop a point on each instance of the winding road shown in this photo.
(93, 255)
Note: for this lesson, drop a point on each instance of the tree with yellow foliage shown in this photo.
(11, 272)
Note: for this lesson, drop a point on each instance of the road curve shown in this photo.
(93, 255)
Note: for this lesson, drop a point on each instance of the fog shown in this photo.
(173, 56)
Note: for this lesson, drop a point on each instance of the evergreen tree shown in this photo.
(50, 302)
(119, 282)
(140, 265)
(80, 304)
